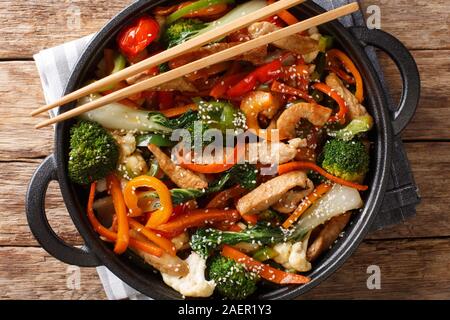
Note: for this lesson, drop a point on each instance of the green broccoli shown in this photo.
(356, 126)
(93, 153)
(204, 241)
(181, 30)
(232, 280)
(348, 160)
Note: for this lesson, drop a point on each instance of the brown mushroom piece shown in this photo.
(327, 236)
(295, 43)
(290, 201)
(355, 109)
(268, 193)
(183, 178)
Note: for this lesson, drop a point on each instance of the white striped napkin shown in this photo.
(55, 66)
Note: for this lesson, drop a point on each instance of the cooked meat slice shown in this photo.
(288, 120)
(354, 107)
(256, 56)
(326, 237)
(273, 152)
(183, 178)
(290, 201)
(295, 43)
(268, 193)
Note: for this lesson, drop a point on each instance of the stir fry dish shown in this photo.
(241, 173)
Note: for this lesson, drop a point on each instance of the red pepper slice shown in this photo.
(135, 37)
(343, 109)
(268, 72)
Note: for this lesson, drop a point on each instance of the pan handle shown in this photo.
(41, 229)
(409, 100)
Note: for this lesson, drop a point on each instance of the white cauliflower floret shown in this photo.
(293, 255)
(194, 284)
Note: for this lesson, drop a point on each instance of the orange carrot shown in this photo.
(123, 236)
(301, 165)
(285, 15)
(178, 111)
(263, 270)
(198, 218)
(350, 66)
(343, 109)
(112, 236)
(306, 203)
(159, 240)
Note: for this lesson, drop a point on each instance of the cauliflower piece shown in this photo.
(194, 284)
(293, 255)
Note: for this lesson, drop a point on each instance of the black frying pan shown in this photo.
(96, 252)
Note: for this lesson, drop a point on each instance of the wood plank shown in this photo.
(14, 228)
(30, 273)
(432, 117)
(432, 218)
(49, 23)
(430, 163)
(430, 122)
(21, 92)
(410, 269)
(420, 269)
(418, 24)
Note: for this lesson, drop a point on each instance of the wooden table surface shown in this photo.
(414, 257)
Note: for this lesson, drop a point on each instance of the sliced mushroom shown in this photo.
(183, 178)
(295, 43)
(326, 237)
(268, 193)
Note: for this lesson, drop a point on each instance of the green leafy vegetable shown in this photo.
(356, 126)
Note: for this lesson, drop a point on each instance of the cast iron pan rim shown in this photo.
(345, 248)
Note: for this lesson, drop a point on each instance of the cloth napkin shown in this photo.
(56, 64)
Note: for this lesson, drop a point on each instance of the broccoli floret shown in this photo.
(93, 153)
(182, 30)
(231, 278)
(348, 160)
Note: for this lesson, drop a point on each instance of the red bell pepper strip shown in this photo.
(221, 199)
(220, 89)
(350, 66)
(343, 109)
(302, 165)
(285, 89)
(263, 270)
(111, 235)
(135, 37)
(263, 74)
(165, 99)
(198, 218)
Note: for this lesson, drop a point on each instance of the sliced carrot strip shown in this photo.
(306, 203)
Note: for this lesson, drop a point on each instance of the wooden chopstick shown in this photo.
(172, 53)
(204, 62)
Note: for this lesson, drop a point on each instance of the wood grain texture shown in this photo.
(410, 269)
(52, 22)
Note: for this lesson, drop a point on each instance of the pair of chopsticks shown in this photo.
(193, 66)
